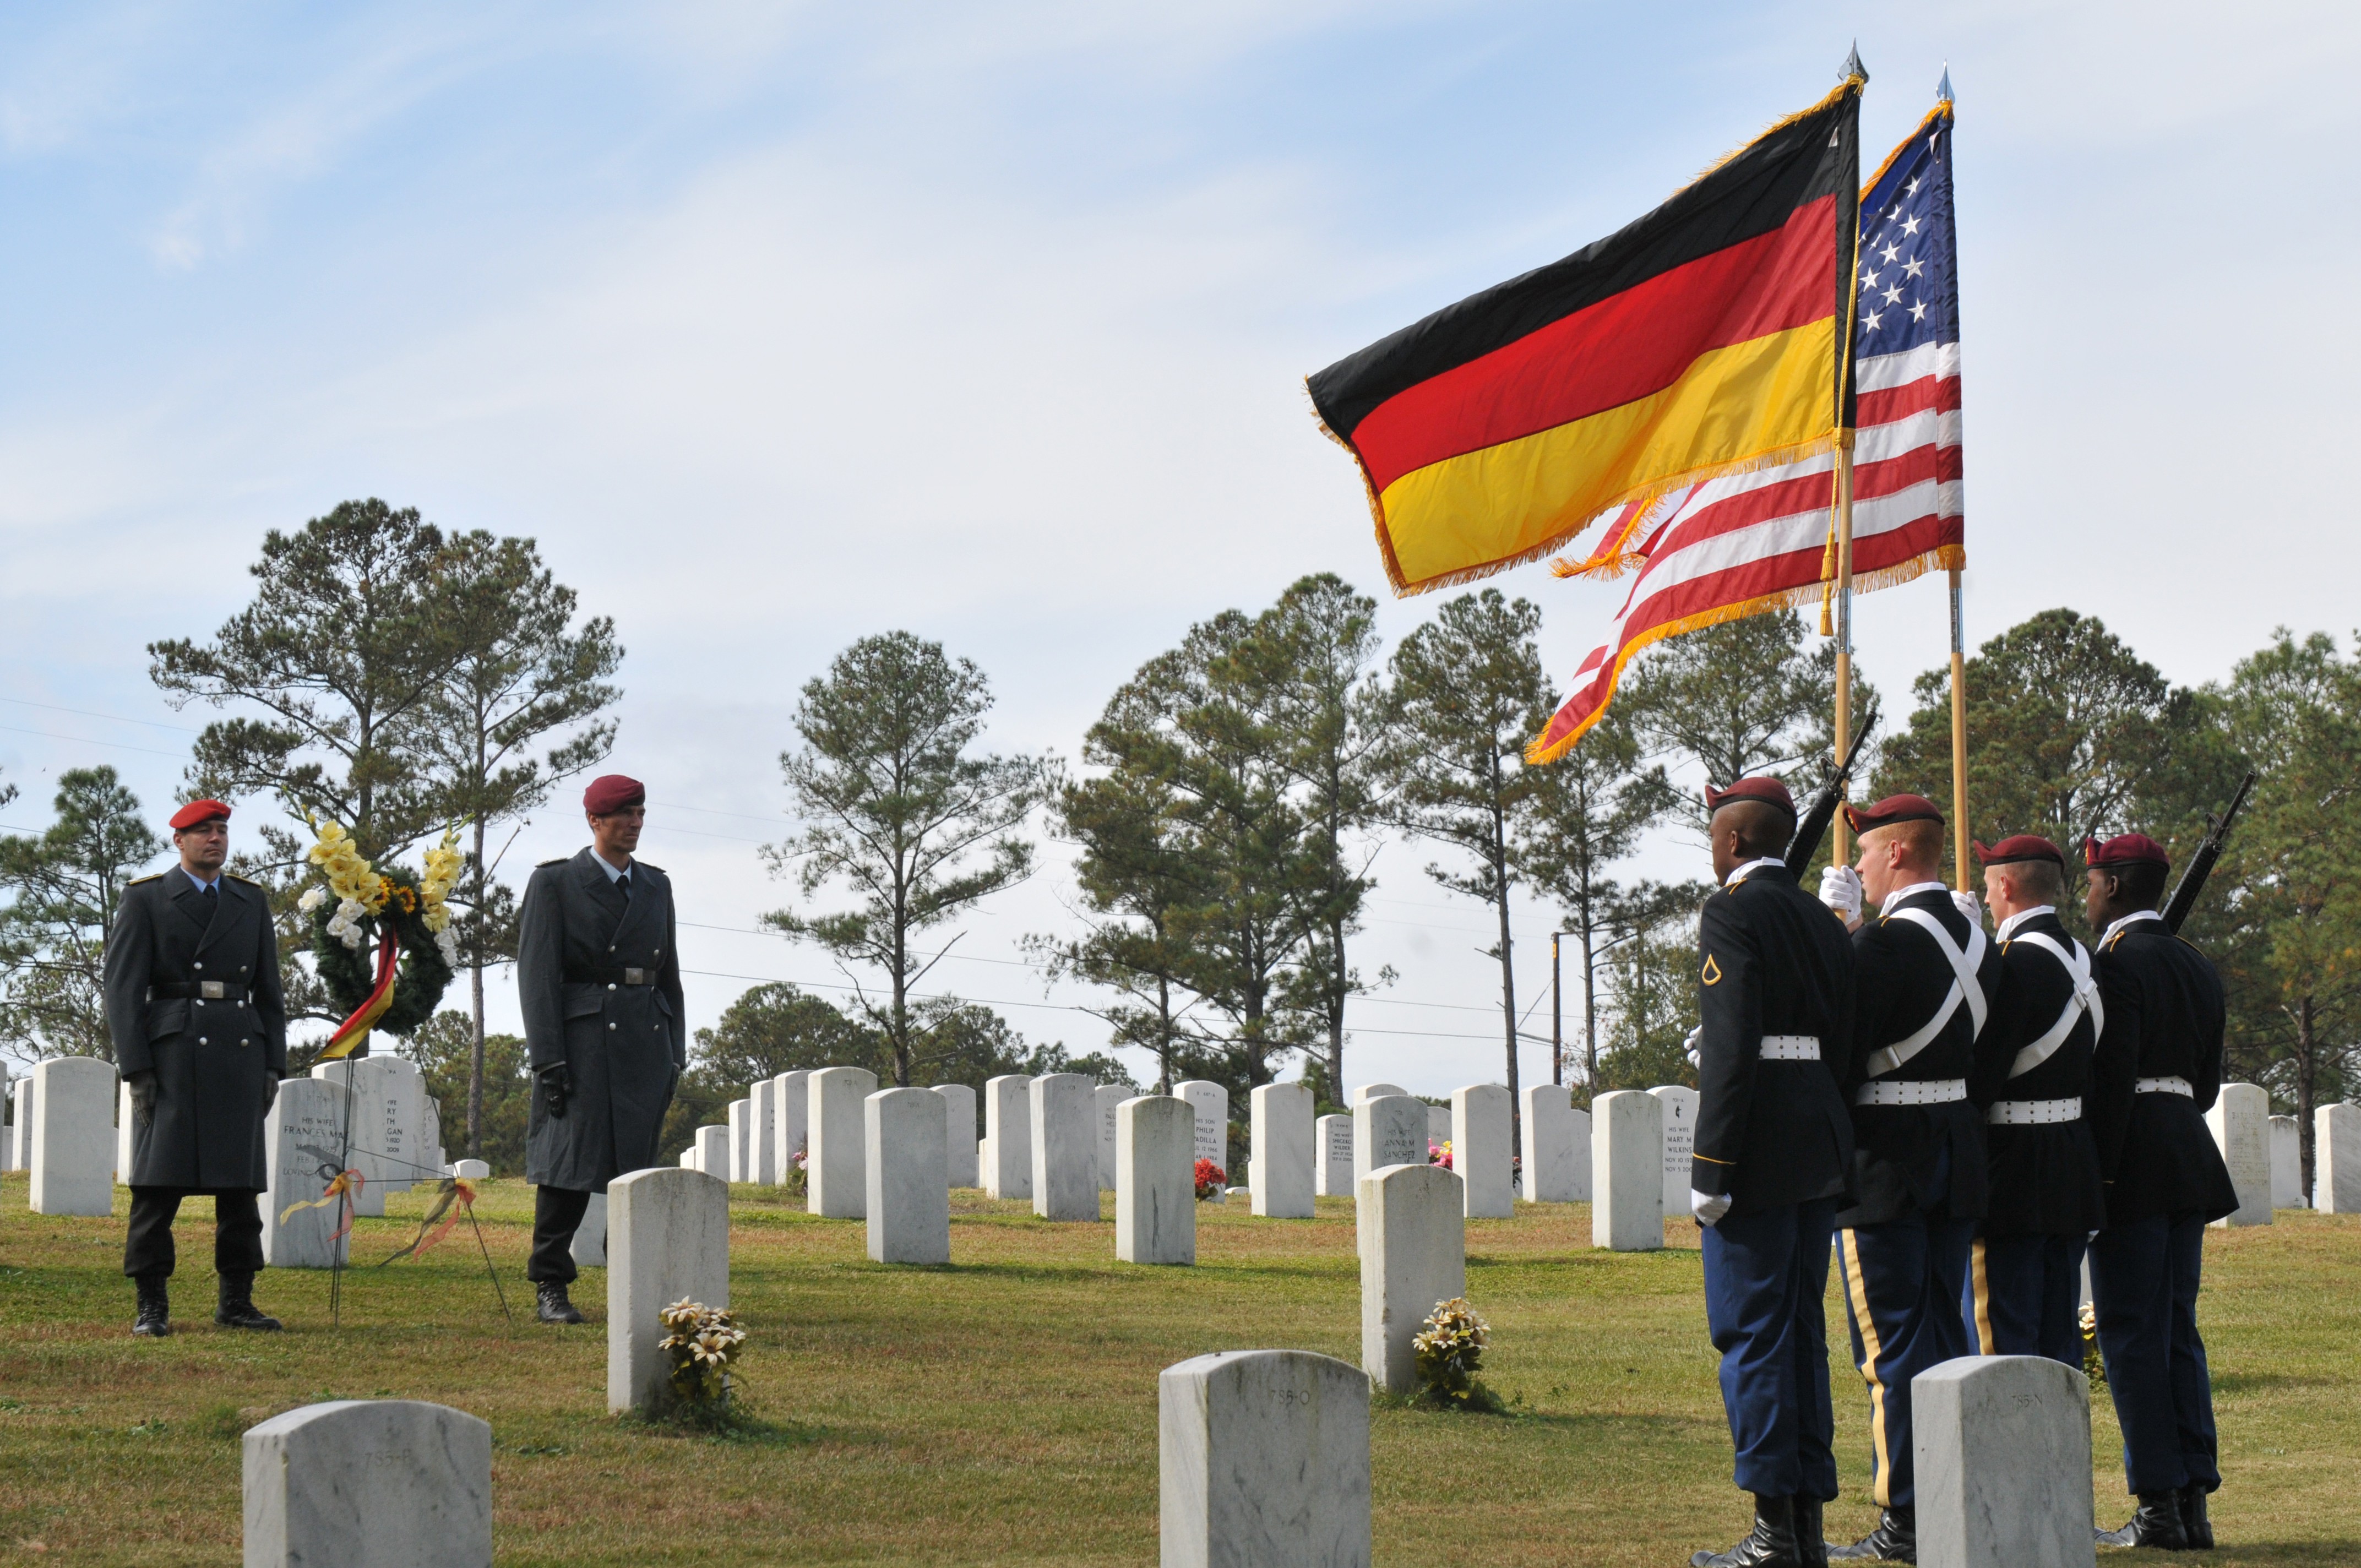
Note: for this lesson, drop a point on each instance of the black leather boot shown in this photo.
(1896, 1539)
(1770, 1544)
(237, 1310)
(554, 1307)
(155, 1319)
(2156, 1525)
(2193, 1523)
(1811, 1546)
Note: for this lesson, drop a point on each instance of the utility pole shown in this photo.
(1557, 1016)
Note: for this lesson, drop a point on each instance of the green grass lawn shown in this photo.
(1004, 1410)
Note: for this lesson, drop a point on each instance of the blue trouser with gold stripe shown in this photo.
(2144, 1282)
(1902, 1284)
(1766, 1276)
(2025, 1296)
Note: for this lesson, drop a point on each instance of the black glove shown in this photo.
(270, 1086)
(143, 1097)
(557, 1083)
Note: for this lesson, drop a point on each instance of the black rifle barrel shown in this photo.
(2200, 864)
(1815, 825)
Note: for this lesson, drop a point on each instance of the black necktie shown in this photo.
(624, 882)
(213, 894)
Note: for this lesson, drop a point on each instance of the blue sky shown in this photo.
(778, 325)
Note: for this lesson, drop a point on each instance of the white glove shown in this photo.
(1690, 1046)
(1841, 891)
(1708, 1210)
(1969, 905)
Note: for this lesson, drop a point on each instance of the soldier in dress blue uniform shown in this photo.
(2025, 1281)
(605, 1028)
(200, 1033)
(1773, 1146)
(1924, 978)
(2158, 1069)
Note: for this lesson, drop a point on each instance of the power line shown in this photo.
(89, 713)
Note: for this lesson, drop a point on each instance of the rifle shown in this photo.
(1815, 824)
(2200, 864)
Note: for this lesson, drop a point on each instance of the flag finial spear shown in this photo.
(1852, 65)
(1943, 88)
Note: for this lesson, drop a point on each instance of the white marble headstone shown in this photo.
(1482, 1152)
(1553, 1170)
(790, 1120)
(1065, 1138)
(1680, 1105)
(302, 1135)
(2240, 1121)
(1264, 1459)
(1211, 1104)
(589, 1247)
(667, 1240)
(1155, 1185)
(1108, 1096)
(1333, 1137)
(1007, 1137)
(73, 1136)
(959, 1134)
(369, 1484)
(2003, 1445)
(2336, 1158)
(1278, 1165)
(20, 1130)
(1412, 1237)
(1627, 1171)
(762, 1157)
(837, 1177)
(1387, 1130)
(1377, 1092)
(909, 1199)
(2286, 1165)
(741, 1139)
(712, 1150)
(123, 1129)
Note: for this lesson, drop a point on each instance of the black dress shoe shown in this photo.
(554, 1307)
(237, 1310)
(155, 1320)
(1770, 1544)
(1811, 1546)
(2193, 1523)
(1896, 1539)
(2156, 1525)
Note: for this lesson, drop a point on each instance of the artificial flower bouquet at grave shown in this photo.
(1450, 1353)
(701, 1343)
(1211, 1179)
(1439, 1153)
(354, 901)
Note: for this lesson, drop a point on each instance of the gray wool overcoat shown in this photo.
(598, 982)
(192, 994)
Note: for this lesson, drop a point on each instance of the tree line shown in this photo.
(1224, 814)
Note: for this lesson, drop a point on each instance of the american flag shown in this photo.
(1750, 542)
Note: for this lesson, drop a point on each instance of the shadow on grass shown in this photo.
(2256, 1382)
(737, 1424)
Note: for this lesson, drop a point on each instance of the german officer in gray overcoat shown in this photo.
(200, 1032)
(605, 1029)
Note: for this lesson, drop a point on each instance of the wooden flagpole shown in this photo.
(1959, 737)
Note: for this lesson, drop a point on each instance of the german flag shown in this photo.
(1700, 340)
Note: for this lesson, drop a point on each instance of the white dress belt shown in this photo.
(1791, 1047)
(2034, 1112)
(2164, 1085)
(1911, 1092)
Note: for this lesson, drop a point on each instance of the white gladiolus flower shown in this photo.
(313, 898)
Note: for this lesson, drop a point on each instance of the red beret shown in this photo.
(197, 811)
(2020, 846)
(2124, 850)
(611, 793)
(1894, 808)
(1766, 789)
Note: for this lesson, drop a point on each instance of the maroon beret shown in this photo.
(2020, 846)
(611, 793)
(1764, 788)
(2124, 850)
(1894, 808)
(197, 811)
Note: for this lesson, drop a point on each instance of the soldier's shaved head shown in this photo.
(1755, 828)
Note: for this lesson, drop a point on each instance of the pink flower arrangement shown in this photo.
(1439, 1153)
